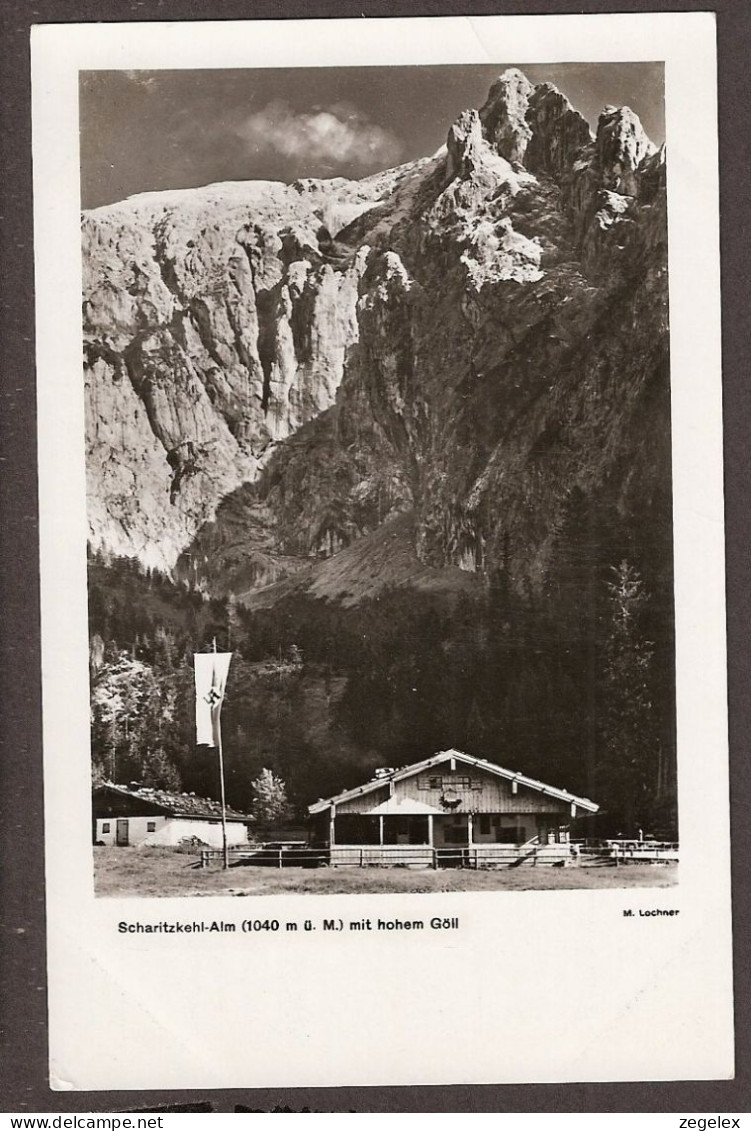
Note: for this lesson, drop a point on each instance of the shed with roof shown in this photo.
(138, 815)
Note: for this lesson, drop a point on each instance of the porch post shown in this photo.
(332, 819)
(469, 829)
(430, 829)
(380, 830)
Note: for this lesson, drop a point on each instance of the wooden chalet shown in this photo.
(137, 815)
(449, 809)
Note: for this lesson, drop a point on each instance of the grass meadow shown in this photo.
(154, 872)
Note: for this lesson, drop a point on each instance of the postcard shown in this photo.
(382, 551)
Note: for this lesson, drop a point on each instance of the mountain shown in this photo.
(411, 435)
(474, 339)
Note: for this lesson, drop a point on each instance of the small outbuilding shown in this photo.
(138, 815)
(450, 808)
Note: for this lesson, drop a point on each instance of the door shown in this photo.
(455, 829)
(121, 835)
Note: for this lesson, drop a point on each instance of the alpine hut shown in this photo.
(449, 809)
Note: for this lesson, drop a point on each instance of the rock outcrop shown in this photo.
(475, 339)
(216, 323)
(504, 115)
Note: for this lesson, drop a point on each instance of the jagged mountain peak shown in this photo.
(512, 78)
(621, 147)
(371, 318)
(538, 127)
(504, 115)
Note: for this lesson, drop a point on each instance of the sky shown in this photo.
(147, 130)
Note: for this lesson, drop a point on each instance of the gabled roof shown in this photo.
(467, 760)
(171, 804)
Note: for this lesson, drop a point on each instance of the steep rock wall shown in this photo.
(512, 349)
(216, 323)
(477, 339)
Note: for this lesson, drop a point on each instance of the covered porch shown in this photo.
(442, 830)
(445, 839)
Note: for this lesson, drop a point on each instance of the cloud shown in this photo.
(338, 135)
(143, 79)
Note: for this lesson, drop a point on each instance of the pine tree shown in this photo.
(630, 743)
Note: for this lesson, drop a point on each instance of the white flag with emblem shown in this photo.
(211, 679)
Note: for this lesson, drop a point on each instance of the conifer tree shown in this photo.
(629, 733)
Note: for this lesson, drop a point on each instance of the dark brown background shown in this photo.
(23, 1034)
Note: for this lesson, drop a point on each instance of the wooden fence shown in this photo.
(568, 854)
(274, 856)
(415, 856)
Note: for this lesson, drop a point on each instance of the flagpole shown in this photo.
(225, 851)
(224, 814)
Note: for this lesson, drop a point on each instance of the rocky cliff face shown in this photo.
(216, 323)
(475, 339)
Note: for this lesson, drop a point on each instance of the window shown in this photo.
(151, 826)
(105, 826)
(449, 781)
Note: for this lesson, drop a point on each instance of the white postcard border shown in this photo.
(535, 987)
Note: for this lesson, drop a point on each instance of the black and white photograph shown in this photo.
(378, 430)
(382, 551)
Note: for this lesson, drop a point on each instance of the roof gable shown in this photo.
(456, 756)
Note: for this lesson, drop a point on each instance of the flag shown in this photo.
(211, 679)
